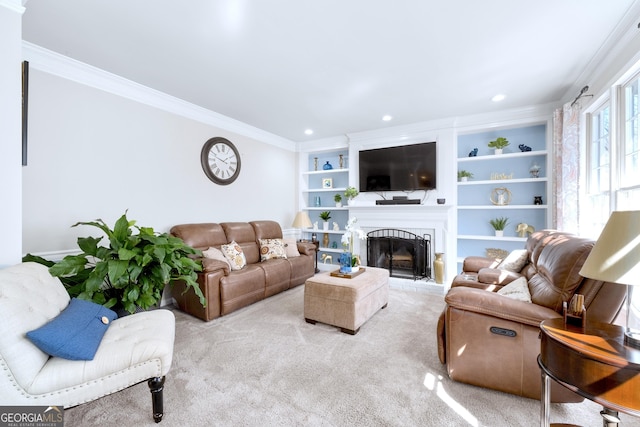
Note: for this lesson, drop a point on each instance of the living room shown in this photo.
(83, 118)
(99, 144)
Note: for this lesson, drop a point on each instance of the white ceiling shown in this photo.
(338, 66)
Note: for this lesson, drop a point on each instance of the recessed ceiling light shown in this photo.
(387, 118)
(499, 97)
(308, 132)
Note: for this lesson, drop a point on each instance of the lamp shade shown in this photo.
(302, 220)
(616, 255)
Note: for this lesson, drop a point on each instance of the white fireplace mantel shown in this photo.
(406, 216)
(439, 218)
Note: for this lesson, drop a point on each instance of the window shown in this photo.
(599, 170)
(612, 157)
(630, 149)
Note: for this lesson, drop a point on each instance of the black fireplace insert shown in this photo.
(404, 254)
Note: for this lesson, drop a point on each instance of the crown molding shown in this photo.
(506, 118)
(324, 144)
(14, 5)
(417, 132)
(621, 37)
(62, 66)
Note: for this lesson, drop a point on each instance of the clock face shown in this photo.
(220, 160)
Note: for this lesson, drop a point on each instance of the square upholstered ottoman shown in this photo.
(346, 303)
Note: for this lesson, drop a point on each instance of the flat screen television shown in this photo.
(401, 168)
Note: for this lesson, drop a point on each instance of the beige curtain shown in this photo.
(566, 167)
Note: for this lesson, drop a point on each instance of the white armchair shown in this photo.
(134, 349)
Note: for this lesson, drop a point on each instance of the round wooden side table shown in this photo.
(594, 362)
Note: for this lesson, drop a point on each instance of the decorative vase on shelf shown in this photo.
(327, 166)
(499, 233)
(498, 151)
(325, 240)
(438, 266)
(345, 262)
(315, 163)
(325, 225)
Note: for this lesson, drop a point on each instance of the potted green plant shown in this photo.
(463, 175)
(132, 271)
(499, 144)
(338, 199)
(498, 225)
(325, 216)
(350, 193)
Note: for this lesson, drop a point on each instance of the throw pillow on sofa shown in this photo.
(235, 256)
(518, 290)
(271, 249)
(515, 261)
(291, 248)
(215, 253)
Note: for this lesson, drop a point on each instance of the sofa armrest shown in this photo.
(306, 248)
(499, 306)
(473, 264)
(495, 276)
(209, 265)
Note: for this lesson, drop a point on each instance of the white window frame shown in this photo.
(620, 197)
(591, 225)
(623, 187)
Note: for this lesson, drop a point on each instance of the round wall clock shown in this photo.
(220, 160)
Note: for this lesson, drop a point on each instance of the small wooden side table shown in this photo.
(592, 361)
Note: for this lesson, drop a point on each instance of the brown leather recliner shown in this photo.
(492, 341)
(228, 290)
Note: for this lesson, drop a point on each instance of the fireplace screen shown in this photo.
(404, 254)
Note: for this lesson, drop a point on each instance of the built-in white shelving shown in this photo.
(475, 205)
(312, 188)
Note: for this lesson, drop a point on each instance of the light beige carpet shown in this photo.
(265, 366)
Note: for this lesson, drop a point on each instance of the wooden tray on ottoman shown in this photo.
(347, 275)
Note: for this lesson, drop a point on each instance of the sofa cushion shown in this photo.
(271, 249)
(291, 247)
(200, 236)
(515, 261)
(242, 233)
(234, 254)
(76, 333)
(518, 290)
(558, 270)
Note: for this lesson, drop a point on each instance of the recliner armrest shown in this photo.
(495, 276)
(473, 264)
(495, 305)
(209, 265)
(306, 248)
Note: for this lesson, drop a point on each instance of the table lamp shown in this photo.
(616, 258)
(302, 220)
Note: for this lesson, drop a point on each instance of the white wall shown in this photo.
(10, 131)
(93, 155)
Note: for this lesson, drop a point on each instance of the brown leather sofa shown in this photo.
(490, 340)
(228, 290)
